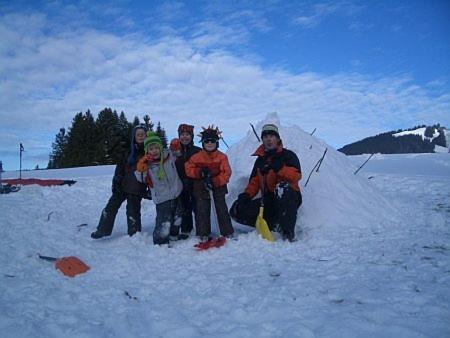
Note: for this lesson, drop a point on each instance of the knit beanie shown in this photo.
(186, 128)
(153, 138)
(270, 129)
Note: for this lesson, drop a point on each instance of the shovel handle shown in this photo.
(48, 258)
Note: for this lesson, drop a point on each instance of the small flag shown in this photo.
(21, 147)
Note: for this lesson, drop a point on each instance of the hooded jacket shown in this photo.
(124, 176)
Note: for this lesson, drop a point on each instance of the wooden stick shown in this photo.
(362, 165)
(317, 166)
(256, 134)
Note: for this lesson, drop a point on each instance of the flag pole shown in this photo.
(20, 168)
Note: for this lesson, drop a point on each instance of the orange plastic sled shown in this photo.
(69, 266)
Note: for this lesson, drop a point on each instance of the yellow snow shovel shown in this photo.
(261, 225)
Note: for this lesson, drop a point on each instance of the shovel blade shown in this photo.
(262, 228)
(71, 266)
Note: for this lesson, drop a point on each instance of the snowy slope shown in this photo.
(418, 131)
(373, 260)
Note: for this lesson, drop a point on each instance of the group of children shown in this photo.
(182, 180)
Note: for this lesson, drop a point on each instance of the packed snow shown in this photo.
(372, 259)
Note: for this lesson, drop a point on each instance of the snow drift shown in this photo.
(334, 198)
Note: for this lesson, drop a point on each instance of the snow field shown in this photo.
(373, 259)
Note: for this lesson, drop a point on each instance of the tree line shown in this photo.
(99, 141)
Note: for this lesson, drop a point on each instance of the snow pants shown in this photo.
(188, 203)
(280, 210)
(108, 216)
(203, 210)
(168, 220)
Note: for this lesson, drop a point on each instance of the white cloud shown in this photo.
(313, 15)
(48, 75)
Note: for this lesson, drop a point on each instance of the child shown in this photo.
(187, 148)
(157, 169)
(125, 187)
(210, 171)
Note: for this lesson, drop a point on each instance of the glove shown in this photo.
(243, 198)
(205, 173)
(175, 145)
(206, 177)
(276, 165)
(142, 165)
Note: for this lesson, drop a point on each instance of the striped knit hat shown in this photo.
(153, 138)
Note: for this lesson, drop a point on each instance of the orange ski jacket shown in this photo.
(216, 162)
(289, 170)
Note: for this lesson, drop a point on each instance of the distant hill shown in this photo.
(420, 139)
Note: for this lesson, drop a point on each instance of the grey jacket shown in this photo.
(167, 188)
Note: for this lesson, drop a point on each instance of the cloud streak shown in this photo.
(49, 73)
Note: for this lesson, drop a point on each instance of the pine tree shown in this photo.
(81, 141)
(136, 121)
(58, 150)
(148, 123)
(125, 127)
(110, 146)
(162, 134)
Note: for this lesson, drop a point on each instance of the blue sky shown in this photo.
(351, 69)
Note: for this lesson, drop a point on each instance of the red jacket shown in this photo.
(216, 162)
(290, 170)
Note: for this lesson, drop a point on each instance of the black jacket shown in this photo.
(186, 154)
(124, 178)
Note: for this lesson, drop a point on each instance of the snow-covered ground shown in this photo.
(373, 258)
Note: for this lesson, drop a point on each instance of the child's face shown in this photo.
(139, 136)
(185, 138)
(154, 151)
(210, 145)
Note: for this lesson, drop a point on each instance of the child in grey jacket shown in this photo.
(157, 169)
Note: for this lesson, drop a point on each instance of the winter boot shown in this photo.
(183, 236)
(97, 234)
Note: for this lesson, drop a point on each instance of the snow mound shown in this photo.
(333, 199)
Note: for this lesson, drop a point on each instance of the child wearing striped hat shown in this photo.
(158, 170)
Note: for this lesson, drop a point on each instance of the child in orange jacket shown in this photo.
(210, 172)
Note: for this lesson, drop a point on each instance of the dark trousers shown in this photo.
(280, 210)
(168, 220)
(188, 203)
(108, 216)
(203, 210)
